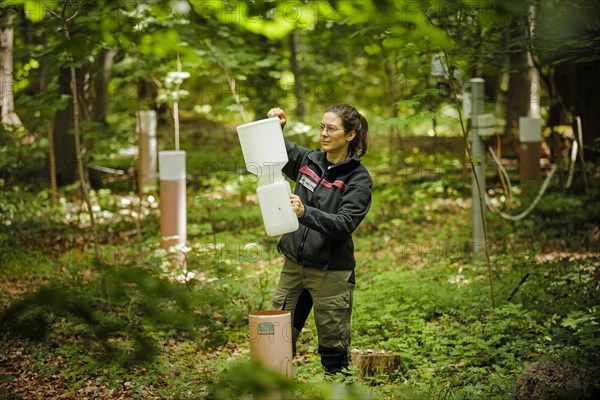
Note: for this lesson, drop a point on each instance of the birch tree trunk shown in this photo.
(10, 119)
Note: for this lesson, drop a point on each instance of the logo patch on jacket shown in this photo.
(308, 183)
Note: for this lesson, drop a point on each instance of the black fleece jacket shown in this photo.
(336, 198)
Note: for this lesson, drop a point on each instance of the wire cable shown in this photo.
(531, 206)
(503, 175)
(574, 148)
(508, 189)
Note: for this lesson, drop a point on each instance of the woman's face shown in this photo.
(333, 137)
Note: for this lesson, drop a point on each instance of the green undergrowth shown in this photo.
(440, 321)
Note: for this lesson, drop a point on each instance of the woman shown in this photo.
(331, 198)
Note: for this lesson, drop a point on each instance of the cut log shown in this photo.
(370, 363)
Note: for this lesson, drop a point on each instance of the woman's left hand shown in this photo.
(297, 205)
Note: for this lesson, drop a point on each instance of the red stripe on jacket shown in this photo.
(307, 171)
(337, 183)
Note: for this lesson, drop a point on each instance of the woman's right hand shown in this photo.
(277, 112)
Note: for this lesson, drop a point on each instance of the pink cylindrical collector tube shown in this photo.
(270, 336)
(173, 208)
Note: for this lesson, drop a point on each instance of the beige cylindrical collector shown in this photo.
(173, 208)
(530, 136)
(270, 336)
(146, 130)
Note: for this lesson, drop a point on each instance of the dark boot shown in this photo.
(334, 360)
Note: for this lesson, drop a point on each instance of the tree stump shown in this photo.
(370, 363)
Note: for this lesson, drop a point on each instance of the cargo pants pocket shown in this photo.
(332, 317)
(278, 300)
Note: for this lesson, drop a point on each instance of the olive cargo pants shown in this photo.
(331, 293)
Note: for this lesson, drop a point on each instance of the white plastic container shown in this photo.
(264, 152)
(530, 129)
(485, 125)
(262, 145)
(276, 209)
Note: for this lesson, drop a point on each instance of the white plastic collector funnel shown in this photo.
(265, 155)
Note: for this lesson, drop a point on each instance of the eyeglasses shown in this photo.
(330, 129)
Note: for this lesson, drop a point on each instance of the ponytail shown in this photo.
(353, 121)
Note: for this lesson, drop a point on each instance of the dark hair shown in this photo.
(353, 121)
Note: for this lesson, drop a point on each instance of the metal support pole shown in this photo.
(478, 164)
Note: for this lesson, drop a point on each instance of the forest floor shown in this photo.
(419, 295)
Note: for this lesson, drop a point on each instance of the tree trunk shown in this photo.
(519, 82)
(104, 66)
(9, 116)
(392, 85)
(576, 84)
(78, 150)
(147, 92)
(64, 141)
(587, 101)
(52, 157)
(293, 43)
(518, 93)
